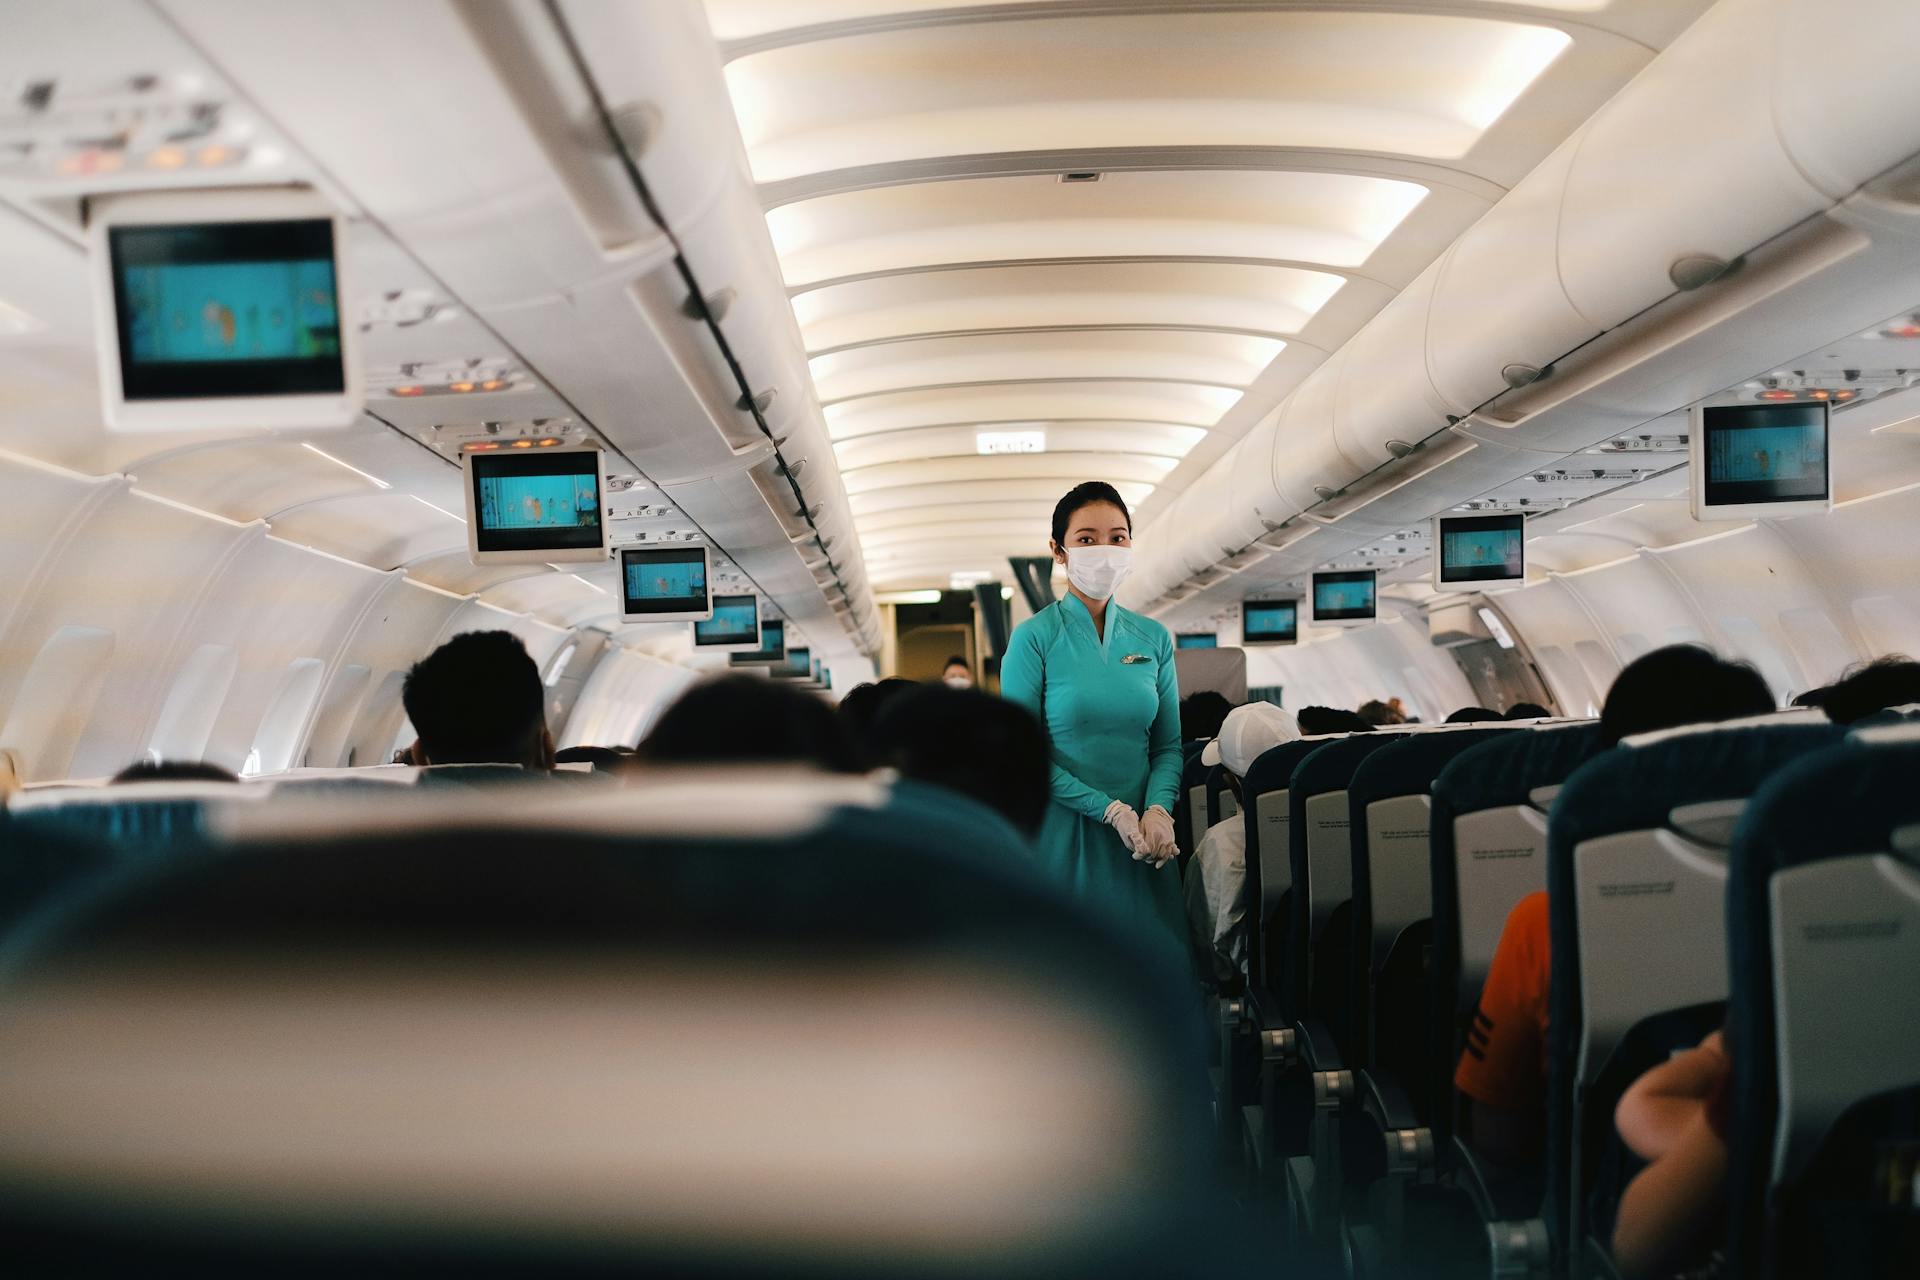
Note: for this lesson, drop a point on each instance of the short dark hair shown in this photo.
(1527, 711)
(174, 771)
(739, 719)
(861, 708)
(1474, 715)
(956, 661)
(1085, 494)
(477, 699)
(1891, 681)
(1376, 712)
(1316, 721)
(1680, 684)
(1202, 713)
(971, 742)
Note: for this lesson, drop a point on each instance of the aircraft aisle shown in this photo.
(1441, 355)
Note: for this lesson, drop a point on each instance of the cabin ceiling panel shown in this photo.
(1066, 468)
(1279, 216)
(248, 480)
(927, 496)
(383, 530)
(1184, 404)
(1415, 84)
(1212, 359)
(1156, 439)
(1233, 297)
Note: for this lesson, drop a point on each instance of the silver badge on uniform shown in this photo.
(1134, 658)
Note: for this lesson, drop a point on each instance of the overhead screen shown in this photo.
(1752, 460)
(773, 646)
(1196, 640)
(1468, 549)
(1344, 595)
(221, 309)
(1269, 621)
(799, 664)
(535, 506)
(734, 626)
(664, 584)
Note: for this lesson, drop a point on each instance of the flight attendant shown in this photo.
(1102, 680)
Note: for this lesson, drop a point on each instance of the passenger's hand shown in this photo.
(1156, 827)
(1122, 818)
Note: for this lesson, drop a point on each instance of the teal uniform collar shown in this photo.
(1070, 604)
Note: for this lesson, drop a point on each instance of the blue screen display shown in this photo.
(226, 309)
(232, 311)
(665, 581)
(1269, 621)
(1482, 548)
(1339, 597)
(735, 620)
(1765, 453)
(514, 502)
(1196, 640)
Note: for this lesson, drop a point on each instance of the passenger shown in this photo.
(477, 699)
(174, 771)
(1527, 711)
(1503, 1072)
(1674, 1117)
(1317, 722)
(749, 720)
(1474, 715)
(862, 707)
(957, 674)
(1201, 715)
(1216, 897)
(1377, 713)
(1101, 679)
(1892, 681)
(12, 774)
(973, 743)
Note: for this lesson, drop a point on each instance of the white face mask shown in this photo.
(1097, 571)
(958, 682)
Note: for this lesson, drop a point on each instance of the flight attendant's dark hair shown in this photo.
(1085, 494)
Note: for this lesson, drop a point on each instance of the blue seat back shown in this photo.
(1648, 899)
(1268, 820)
(1322, 862)
(1389, 814)
(1488, 850)
(1823, 922)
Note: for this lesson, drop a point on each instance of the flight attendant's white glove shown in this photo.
(1156, 827)
(1122, 818)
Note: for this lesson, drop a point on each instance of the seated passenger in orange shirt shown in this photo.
(1504, 1069)
(1503, 1072)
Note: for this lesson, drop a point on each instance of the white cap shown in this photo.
(1247, 733)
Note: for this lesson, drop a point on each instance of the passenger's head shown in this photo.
(1377, 712)
(477, 700)
(1680, 684)
(956, 674)
(1892, 681)
(1201, 714)
(861, 708)
(1093, 538)
(1318, 721)
(749, 720)
(1474, 715)
(174, 771)
(1527, 711)
(1248, 733)
(971, 742)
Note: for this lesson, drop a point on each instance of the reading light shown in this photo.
(493, 384)
(348, 465)
(549, 440)
(1776, 394)
(166, 158)
(408, 391)
(214, 156)
(1901, 331)
(523, 444)
(462, 387)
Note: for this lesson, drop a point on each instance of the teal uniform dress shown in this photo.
(1112, 708)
